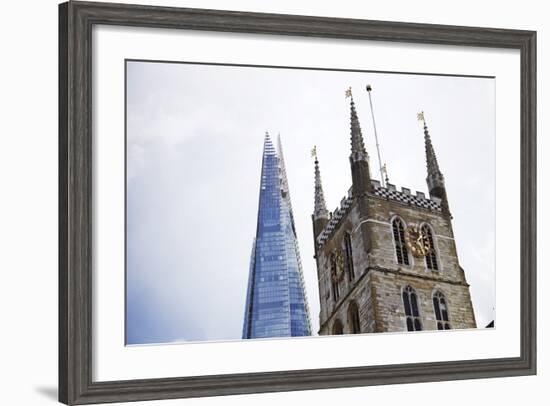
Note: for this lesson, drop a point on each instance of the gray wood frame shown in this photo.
(75, 179)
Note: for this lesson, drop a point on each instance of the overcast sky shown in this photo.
(194, 148)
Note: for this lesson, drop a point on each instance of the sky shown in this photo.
(194, 147)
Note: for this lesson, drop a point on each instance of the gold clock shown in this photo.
(337, 266)
(417, 242)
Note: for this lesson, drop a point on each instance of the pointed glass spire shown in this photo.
(247, 307)
(284, 181)
(320, 208)
(276, 303)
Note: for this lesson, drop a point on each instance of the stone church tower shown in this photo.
(386, 258)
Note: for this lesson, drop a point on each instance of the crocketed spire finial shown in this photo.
(320, 208)
(358, 151)
(435, 179)
(431, 160)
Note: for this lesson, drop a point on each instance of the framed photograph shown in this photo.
(259, 202)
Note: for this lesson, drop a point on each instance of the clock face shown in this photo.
(417, 242)
(337, 266)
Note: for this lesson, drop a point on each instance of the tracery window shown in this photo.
(401, 251)
(441, 311)
(353, 316)
(410, 302)
(337, 328)
(349, 257)
(431, 257)
(334, 277)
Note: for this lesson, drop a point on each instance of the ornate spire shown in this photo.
(358, 151)
(320, 211)
(431, 159)
(359, 159)
(435, 179)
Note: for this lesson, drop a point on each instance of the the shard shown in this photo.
(276, 303)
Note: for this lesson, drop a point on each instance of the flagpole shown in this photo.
(382, 180)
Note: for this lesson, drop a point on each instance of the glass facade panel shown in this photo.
(276, 303)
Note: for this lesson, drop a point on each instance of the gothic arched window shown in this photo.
(349, 257)
(353, 317)
(431, 257)
(410, 302)
(399, 239)
(337, 328)
(334, 277)
(441, 311)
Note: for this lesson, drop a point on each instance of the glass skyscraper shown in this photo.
(276, 304)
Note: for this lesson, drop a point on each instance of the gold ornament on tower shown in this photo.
(417, 242)
(337, 265)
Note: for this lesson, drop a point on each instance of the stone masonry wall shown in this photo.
(382, 255)
(390, 311)
(362, 295)
(336, 242)
(379, 279)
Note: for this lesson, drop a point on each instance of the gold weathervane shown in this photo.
(420, 117)
(314, 152)
(348, 93)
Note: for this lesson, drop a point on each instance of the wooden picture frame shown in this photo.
(76, 20)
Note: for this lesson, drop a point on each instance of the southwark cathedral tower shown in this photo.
(386, 258)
